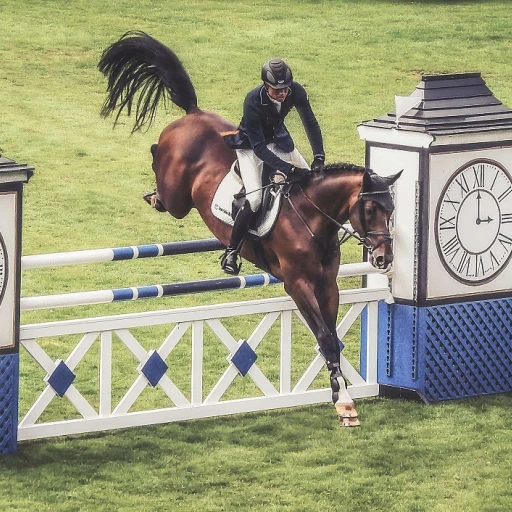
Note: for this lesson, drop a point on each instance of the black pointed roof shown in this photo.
(451, 104)
(10, 167)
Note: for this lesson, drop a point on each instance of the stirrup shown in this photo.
(228, 262)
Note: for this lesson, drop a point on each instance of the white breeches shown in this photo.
(251, 170)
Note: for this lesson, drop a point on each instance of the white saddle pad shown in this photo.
(221, 204)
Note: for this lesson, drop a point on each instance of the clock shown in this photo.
(473, 222)
(3, 268)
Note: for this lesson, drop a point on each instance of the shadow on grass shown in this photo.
(286, 431)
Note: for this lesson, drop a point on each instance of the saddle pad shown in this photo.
(222, 205)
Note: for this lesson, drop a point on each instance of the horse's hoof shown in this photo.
(347, 414)
(349, 422)
(148, 197)
(152, 199)
(346, 410)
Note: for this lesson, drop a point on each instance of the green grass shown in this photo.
(86, 193)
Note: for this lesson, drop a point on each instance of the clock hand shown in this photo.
(478, 219)
(486, 220)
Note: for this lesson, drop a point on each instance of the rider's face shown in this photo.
(277, 94)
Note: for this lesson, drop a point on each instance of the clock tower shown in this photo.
(12, 177)
(448, 334)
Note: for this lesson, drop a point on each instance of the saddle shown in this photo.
(230, 196)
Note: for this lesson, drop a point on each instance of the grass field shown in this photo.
(353, 57)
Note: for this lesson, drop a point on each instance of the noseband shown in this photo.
(366, 240)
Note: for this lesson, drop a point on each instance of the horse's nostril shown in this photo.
(380, 261)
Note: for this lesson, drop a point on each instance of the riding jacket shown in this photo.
(263, 124)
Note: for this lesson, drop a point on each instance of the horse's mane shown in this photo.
(344, 167)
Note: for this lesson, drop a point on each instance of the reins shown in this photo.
(347, 234)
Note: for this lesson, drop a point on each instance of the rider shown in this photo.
(262, 138)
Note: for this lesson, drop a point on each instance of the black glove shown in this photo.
(318, 164)
(298, 171)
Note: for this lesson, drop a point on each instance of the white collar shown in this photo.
(278, 104)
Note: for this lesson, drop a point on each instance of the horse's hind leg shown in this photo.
(152, 197)
(153, 149)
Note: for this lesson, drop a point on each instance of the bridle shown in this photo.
(365, 240)
(385, 234)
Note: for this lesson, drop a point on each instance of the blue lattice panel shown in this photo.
(446, 352)
(9, 369)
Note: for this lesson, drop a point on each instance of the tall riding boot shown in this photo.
(240, 228)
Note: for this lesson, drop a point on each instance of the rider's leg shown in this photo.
(251, 168)
(294, 158)
(251, 171)
(243, 219)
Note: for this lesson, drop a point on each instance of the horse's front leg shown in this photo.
(328, 298)
(317, 300)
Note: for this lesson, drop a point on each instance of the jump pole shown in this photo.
(172, 289)
(58, 259)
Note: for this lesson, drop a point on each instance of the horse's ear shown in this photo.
(367, 182)
(391, 179)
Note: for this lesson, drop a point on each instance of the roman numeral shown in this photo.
(464, 262)
(505, 194)
(504, 240)
(463, 184)
(479, 176)
(447, 223)
(479, 266)
(494, 260)
(494, 180)
(506, 218)
(450, 201)
(451, 248)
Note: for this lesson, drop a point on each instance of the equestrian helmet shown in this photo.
(276, 73)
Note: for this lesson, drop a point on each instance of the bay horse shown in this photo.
(191, 159)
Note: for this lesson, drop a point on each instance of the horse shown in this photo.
(191, 159)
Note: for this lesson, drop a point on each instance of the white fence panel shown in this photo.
(111, 416)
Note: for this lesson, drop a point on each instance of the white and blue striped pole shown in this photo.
(145, 292)
(119, 253)
(173, 289)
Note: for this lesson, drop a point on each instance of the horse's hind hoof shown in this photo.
(152, 199)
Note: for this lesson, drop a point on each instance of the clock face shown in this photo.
(3, 268)
(473, 222)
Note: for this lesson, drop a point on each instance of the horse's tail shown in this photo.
(140, 63)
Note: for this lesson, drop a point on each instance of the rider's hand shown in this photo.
(278, 177)
(298, 171)
(318, 164)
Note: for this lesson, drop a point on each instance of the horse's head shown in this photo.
(370, 215)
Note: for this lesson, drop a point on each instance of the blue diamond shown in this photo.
(61, 378)
(244, 358)
(154, 368)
